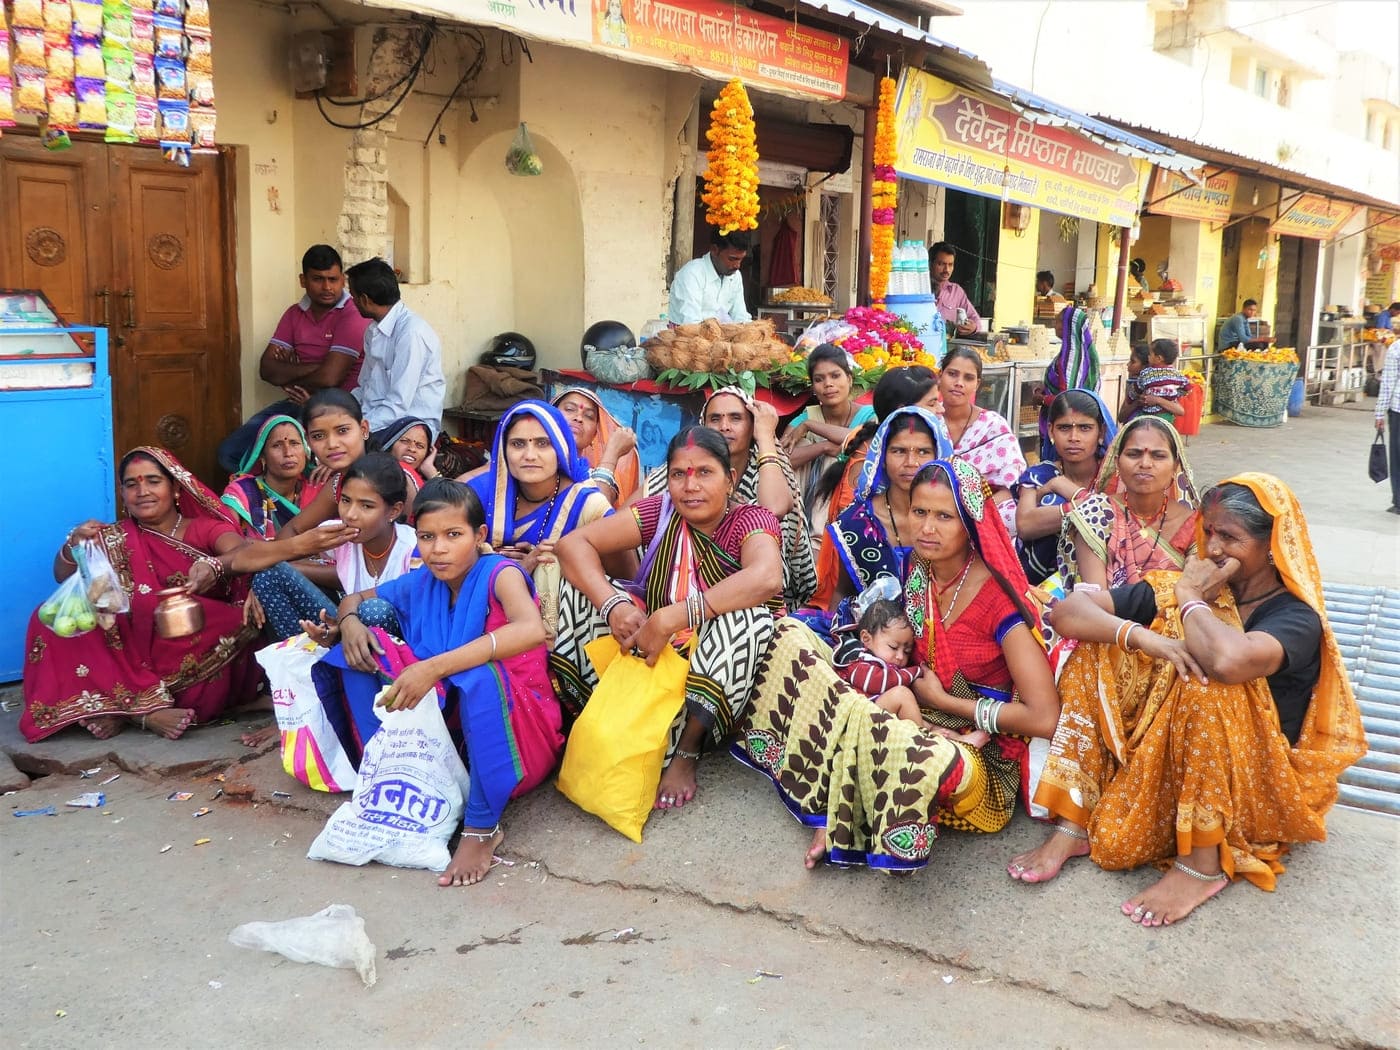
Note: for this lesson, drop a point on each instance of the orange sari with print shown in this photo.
(1155, 767)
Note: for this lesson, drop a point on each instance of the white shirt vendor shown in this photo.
(711, 286)
(402, 373)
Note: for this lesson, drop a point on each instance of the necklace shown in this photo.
(1267, 594)
(940, 588)
(894, 521)
(548, 510)
(370, 555)
(1125, 550)
(850, 414)
(179, 520)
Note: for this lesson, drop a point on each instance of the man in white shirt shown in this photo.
(711, 286)
(402, 372)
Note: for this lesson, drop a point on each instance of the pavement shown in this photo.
(590, 939)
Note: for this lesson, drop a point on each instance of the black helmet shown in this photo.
(605, 335)
(510, 349)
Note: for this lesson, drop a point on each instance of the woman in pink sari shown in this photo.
(177, 534)
(980, 436)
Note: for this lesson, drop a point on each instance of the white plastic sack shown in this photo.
(333, 937)
(408, 800)
(311, 751)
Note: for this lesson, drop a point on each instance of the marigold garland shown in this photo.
(884, 195)
(731, 180)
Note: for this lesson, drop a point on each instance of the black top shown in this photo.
(1285, 617)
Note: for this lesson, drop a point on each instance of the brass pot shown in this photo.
(178, 615)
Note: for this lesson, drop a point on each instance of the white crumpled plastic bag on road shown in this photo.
(333, 937)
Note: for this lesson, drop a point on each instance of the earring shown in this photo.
(1271, 557)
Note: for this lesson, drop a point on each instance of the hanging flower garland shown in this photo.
(884, 196)
(731, 180)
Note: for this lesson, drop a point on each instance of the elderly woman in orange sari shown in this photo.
(1205, 724)
(609, 447)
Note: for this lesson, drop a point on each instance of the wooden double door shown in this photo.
(117, 236)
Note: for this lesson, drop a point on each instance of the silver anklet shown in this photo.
(694, 756)
(1073, 833)
(482, 836)
(1200, 876)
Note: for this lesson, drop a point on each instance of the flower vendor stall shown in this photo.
(1252, 386)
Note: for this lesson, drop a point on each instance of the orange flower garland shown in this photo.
(731, 180)
(884, 196)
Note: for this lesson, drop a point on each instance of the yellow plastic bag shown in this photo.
(612, 763)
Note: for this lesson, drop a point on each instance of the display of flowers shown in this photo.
(882, 341)
(884, 196)
(1278, 355)
(731, 180)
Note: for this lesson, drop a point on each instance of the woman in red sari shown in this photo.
(177, 534)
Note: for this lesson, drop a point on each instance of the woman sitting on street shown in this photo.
(273, 481)
(1141, 515)
(873, 787)
(815, 437)
(471, 627)
(177, 536)
(609, 447)
(711, 582)
(980, 436)
(1080, 429)
(1206, 722)
(535, 491)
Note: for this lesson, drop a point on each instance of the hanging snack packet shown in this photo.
(174, 122)
(143, 76)
(63, 104)
(143, 32)
(27, 14)
(202, 128)
(200, 57)
(201, 90)
(196, 14)
(171, 82)
(116, 20)
(58, 52)
(147, 120)
(29, 91)
(121, 114)
(58, 16)
(7, 98)
(117, 60)
(87, 58)
(170, 43)
(87, 19)
(92, 104)
(4, 50)
(29, 48)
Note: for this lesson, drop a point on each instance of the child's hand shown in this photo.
(359, 645)
(324, 632)
(414, 683)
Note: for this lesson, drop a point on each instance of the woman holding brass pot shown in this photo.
(177, 537)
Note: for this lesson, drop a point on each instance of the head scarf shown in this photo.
(1332, 737)
(1110, 426)
(251, 460)
(872, 478)
(401, 426)
(629, 466)
(733, 391)
(193, 498)
(1182, 487)
(496, 488)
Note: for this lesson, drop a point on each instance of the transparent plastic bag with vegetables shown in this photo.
(101, 583)
(67, 612)
(521, 158)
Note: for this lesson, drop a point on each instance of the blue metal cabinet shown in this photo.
(59, 463)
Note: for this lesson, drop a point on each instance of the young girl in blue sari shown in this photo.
(536, 489)
(473, 638)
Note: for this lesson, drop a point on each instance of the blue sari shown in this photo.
(862, 544)
(478, 704)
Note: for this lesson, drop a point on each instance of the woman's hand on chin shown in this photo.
(1202, 578)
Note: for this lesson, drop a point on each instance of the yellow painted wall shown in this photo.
(1153, 245)
(1017, 255)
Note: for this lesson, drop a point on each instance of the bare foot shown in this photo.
(259, 738)
(104, 727)
(816, 852)
(472, 860)
(169, 722)
(1045, 861)
(1171, 898)
(677, 785)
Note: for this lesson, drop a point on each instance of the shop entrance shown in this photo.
(973, 226)
(119, 237)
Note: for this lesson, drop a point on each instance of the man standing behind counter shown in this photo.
(949, 296)
(711, 286)
(402, 374)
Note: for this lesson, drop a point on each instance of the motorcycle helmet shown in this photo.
(510, 349)
(605, 335)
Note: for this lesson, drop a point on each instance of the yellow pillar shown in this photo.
(1016, 265)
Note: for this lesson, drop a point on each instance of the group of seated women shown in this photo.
(1192, 712)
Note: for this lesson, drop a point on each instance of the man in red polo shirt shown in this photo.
(319, 343)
